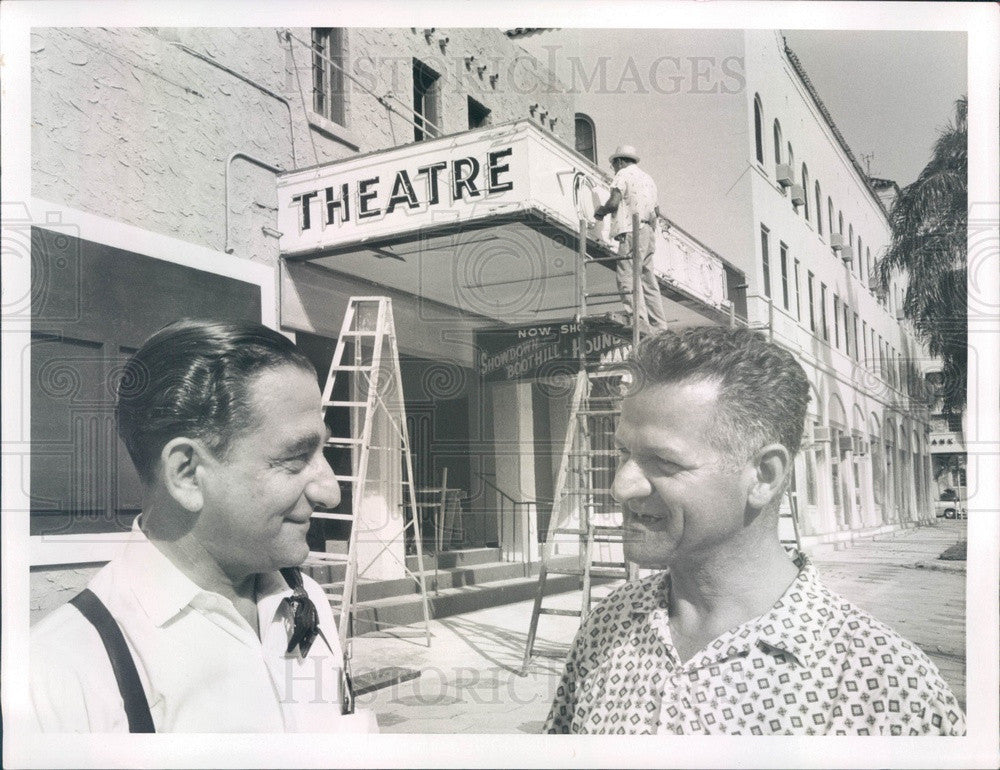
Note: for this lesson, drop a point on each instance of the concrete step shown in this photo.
(459, 592)
(456, 577)
(325, 574)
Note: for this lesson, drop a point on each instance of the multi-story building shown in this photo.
(758, 171)
(272, 174)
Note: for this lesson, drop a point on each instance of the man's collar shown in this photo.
(793, 625)
(157, 584)
(163, 590)
(796, 621)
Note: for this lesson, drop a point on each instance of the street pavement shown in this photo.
(470, 680)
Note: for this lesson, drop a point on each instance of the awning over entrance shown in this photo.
(486, 222)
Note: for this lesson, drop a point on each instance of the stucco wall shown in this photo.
(52, 586)
(137, 124)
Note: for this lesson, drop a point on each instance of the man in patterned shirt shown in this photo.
(737, 638)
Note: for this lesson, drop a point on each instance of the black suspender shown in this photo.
(133, 696)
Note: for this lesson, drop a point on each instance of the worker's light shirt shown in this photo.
(639, 194)
(813, 665)
(202, 666)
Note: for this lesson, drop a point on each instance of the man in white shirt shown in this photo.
(217, 630)
(633, 191)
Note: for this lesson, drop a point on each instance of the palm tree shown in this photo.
(929, 221)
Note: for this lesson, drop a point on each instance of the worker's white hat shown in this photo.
(625, 151)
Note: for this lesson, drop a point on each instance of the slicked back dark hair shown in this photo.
(192, 379)
(763, 390)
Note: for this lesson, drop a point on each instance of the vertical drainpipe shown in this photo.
(229, 163)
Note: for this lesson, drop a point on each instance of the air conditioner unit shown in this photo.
(798, 195)
(784, 174)
(900, 315)
(860, 447)
(847, 254)
(837, 241)
(846, 444)
(821, 433)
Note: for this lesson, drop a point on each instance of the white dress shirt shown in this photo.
(202, 666)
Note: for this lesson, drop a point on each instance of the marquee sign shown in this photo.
(451, 180)
(545, 351)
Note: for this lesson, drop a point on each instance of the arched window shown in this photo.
(840, 222)
(777, 141)
(829, 213)
(819, 209)
(586, 137)
(805, 189)
(868, 261)
(758, 128)
(862, 266)
(790, 160)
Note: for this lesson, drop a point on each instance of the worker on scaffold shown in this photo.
(633, 191)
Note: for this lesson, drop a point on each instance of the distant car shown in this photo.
(950, 506)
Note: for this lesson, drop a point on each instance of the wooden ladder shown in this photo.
(368, 356)
(583, 496)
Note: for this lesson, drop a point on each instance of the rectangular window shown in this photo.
(783, 251)
(765, 260)
(836, 321)
(864, 340)
(847, 329)
(479, 115)
(810, 279)
(426, 101)
(798, 303)
(822, 312)
(328, 57)
(855, 337)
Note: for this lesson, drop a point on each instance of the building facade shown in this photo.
(756, 168)
(438, 169)
(272, 174)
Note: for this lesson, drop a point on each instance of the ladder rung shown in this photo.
(345, 403)
(609, 564)
(358, 333)
(605, 259)
(336, 440)
(333, 516)
(568, 613)
(584, 412)
(615, 573)
(568, 531)
(352, 368)
(609, 529)
(565, 570)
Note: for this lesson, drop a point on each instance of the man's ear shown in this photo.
(181, 459)
(771, 466)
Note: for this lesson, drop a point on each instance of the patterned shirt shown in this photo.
(813, 665)
(638, 191)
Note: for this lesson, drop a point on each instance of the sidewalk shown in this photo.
(470, 684)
